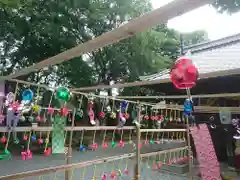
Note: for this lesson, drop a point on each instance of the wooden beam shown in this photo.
(158, 16)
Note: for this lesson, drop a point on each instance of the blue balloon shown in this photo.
(188, 107)
(27, 95)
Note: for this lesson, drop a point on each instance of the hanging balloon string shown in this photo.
(121, 135)
(175, 115)
(157, 136)
(103, 104)
(130, 136)
(8, 139)
(151, 140)
(94, 136)
(113, 105)
(172, 136)
(65, 137)
(162, 137)
(119, 167)
(29, 140)
(165, 157)
(47, 141)
(81, 140)
(15, 93)
(51, 98)
(113, 135)
(146, 137)
(83, 172)
(80, 102)
(94, 172)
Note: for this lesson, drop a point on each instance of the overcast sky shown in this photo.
(206, 18)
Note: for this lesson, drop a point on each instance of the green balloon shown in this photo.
(151, 142)
(63, 94)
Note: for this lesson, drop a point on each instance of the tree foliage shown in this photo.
(229, 6)
(34, 30)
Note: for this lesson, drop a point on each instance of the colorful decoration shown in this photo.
(63, 94)
(188, 107)
(64, 112)
(36, 108)
(10, 98)
(184, 74)
(27, 95)
(50, 110)
(91, 114)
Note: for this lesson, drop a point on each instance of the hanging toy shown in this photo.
(121, 142)
(63, 94)
(10, 98)
(64, 112)
(122, 118)
(184, 74)
(27, 155)
(47, 150)
(104, 143)
(91, 113)
(102, 114)
(3, 139)
(40, 139)
(27, 95)
(82, 148)
(188, 107)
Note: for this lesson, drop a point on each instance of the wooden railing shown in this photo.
(63, 168)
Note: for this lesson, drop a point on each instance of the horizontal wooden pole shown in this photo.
(76, 128)
(163, 130)
(164, 151)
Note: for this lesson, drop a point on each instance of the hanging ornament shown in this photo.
(48, 151)
(50, 110)
(3, 139)
(184, 74)
(113, 144)
(33, 138)
(126, 171)
(25, 137)
(63, 94)
(122, 118)
(126, 115)
(64, 111)
(91, 113)
(101, 114)
(82, 148)
(146, 117)
(104, 177)
(113, 175)
(2, 117)
(10, 97)
(40, 141)
(14, 106)
(27, 95)
(105, 145)
(36, 108)
(31, 118)
(113, 115)
(124, 105)
(38, 118)
(188, 107)
(121, 144)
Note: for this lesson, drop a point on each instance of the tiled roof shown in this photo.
(213, 56)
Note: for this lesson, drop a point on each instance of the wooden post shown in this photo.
(190, 176)
(138, 139)
(69, 152)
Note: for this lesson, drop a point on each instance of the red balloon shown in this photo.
(184, 74)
